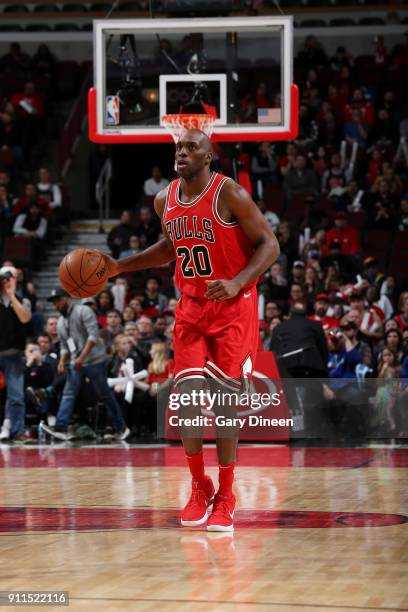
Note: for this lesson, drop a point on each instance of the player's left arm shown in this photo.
(235, 202)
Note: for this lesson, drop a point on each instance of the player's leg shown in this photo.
(233, 346)
(69, 395)
(189, 357)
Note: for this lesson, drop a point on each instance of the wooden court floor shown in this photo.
(316, 530)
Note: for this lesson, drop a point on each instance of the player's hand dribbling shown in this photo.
(111, 265)
(220, 290)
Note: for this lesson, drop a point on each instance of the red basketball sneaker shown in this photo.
(195, 512)
(222, 516)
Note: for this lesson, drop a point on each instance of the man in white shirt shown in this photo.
(48, 190)
(155, 183)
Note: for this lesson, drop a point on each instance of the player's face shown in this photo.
(192, 155)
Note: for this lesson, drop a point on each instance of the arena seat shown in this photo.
(378, 240)
(46, 8)
(369, 21)
(66, 27)
(313, 23)
(16, 8)
(341, 22)
(38, 27)
(74, 8)
(10, 27)
(358, 219)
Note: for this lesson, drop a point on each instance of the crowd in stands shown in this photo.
(337, 198)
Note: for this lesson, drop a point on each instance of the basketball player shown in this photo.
(221, 244)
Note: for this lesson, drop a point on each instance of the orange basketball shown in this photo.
(83, 273)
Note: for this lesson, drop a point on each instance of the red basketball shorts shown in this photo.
(216, 339)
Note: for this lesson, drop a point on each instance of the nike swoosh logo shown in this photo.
(246, 295)
(172, 208)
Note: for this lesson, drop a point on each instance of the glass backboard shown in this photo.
(239, 69)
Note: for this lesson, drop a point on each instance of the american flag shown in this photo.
(269, 115)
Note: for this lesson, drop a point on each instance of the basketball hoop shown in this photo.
(178, 123)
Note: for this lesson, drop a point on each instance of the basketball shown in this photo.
(83, 273)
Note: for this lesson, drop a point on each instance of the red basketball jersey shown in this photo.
(206, 247)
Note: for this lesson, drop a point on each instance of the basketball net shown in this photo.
(177, 124)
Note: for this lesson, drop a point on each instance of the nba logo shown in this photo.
(112, 110)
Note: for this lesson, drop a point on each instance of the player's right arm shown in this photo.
(156, 255)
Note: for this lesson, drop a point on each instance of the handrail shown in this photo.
(73, 127)
(102, 193)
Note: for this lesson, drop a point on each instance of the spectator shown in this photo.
(155, 183)
(402, 215)
(350, 329)
(14, 318)
(272, 311)
(82, 354)
(355, 130)
(6, 182)
(134, 247)
(264, 166)
(380, 52)
(146, 338)
(384, 131)
(393, 180)
(31, 195)
(113, 328)
(47, 353)
(44, 64)
(341, 58)
(48, 190)
(50, 330)
(104, 303)
(119, 236)
(297, 274)
(288, 244)
(382, 207)
(154, 302)
(122, 350)
(28, 103)
(382, 305)
(392, 341)
(271, 217)
(6, 212)
(275, 286)
(300, 344)
(12, 137)
(15, 62)
(160, 368)
(128, 314)
(38, 375)
(287, 161)
(159, 328)
(33, 225)
(343, 357)
(149, 228)
(297, 295)
(312, 56)
(389, 367)
(334, 176)
(300, 179)
(360, 102)
(402, 317)
(371, 318)
(132, 333)
(320, 315)
(345, 234)
(308, 130)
